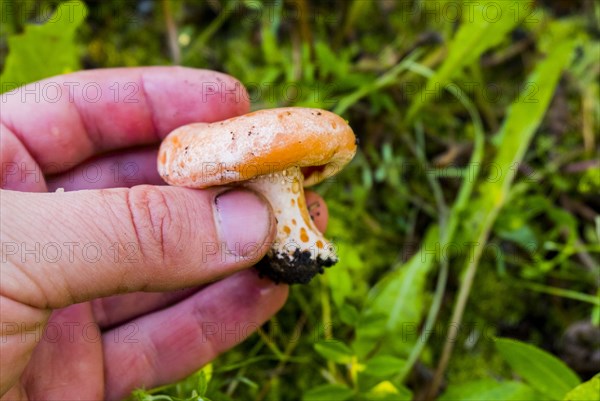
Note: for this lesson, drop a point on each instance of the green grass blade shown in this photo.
(561, 292)
(515, 135)
(387, 79)
(475, 36)
(523, 118)
(448, 225)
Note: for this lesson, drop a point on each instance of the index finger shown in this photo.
(66, 119)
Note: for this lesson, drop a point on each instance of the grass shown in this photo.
(470, 211)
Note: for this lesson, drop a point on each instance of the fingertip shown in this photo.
(182, 95)
(191, 333)
(254, 291)
(275, 293)
(317, 208)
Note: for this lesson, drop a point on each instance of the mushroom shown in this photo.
(276, 152)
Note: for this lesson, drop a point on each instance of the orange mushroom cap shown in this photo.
(203, 155)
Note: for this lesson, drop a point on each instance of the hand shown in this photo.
(84, 306)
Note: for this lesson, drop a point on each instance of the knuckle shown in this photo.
(151, 217)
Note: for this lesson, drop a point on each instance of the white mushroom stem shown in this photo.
(295, 229)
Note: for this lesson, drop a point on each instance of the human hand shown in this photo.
(95, 266)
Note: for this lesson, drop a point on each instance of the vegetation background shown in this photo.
(468, 224)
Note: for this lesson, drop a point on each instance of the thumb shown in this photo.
(63, 248)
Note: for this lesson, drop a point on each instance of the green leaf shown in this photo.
(383, 365)
(204, 377)
(588, 391)
(327, 59)
(335, 351)
(400, 295)
(489, 390)
(44, 50)
(269, 46)
(328, 392)
(370, 331)
(349, 314)
(387, 391)
(477, 34)
(523, 236)
(407, 288)
(340, 283)
(543, 371)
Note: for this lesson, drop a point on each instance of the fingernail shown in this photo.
(243, 221)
